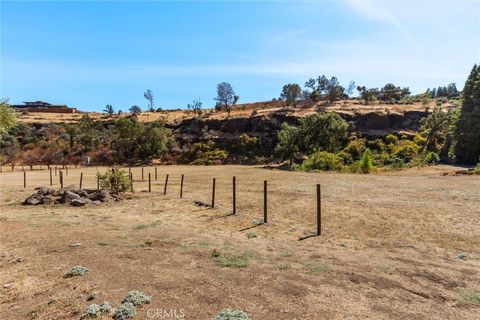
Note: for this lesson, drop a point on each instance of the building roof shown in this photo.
(38, 104)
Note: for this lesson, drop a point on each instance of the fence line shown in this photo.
(62, 175)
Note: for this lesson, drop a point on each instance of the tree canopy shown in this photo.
(467, 132)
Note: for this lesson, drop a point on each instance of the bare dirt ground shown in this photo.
(394, 246)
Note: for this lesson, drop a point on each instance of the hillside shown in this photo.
(373, 119)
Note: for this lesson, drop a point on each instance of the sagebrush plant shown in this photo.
(114, 180)
(76, 271)
(105, 307)
(137, 298)
(229, 314)
(125, 311)
(92, 310)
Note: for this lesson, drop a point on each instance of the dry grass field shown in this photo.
(402, 245)
(239, 111)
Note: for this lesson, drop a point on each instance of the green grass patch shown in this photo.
(189, 247)
(473, 298)
(283, 266)
(141, 226)
(314, 267)
(232, 261)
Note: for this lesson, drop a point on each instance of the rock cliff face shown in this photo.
(265, 127)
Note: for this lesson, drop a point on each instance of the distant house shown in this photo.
(41, 106)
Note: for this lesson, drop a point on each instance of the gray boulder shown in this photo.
(47, 200)
(100, 195)
(69, 196)
(45, 191)
(32, 200)
(78, 202)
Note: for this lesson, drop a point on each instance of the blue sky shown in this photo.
(92, 53)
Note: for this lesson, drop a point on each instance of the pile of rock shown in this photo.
(70, 195)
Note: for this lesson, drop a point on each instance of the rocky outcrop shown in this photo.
(265, 127)
(70, 195)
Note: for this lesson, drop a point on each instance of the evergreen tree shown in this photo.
(468, 127)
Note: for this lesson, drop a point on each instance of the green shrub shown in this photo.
(376, 144)
(476, 170)
(431, 158)
(391, 139)
(115, 180)
(346, 157)
(383, 158)
(398, 164)
(207, 154)
(228, 314)
(419, 140)
(322, 160)
(355, 148)
(407, 151)
(366, 162)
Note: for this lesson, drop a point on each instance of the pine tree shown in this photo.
(467, 134)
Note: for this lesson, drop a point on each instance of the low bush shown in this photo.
(228, 314)
(407, 150)
(355, 148)
(366, 162)
(322, 160)
(346, 157)
(137, 298)
(76, 271)
(431, 158)
(92, 310)
(125, 311)
(376, 145)
(391, 139)
(116, 180)
(476, 170)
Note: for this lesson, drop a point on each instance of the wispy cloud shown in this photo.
(285, 36)
(377, 10)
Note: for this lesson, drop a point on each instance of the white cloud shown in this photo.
(377, 11)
